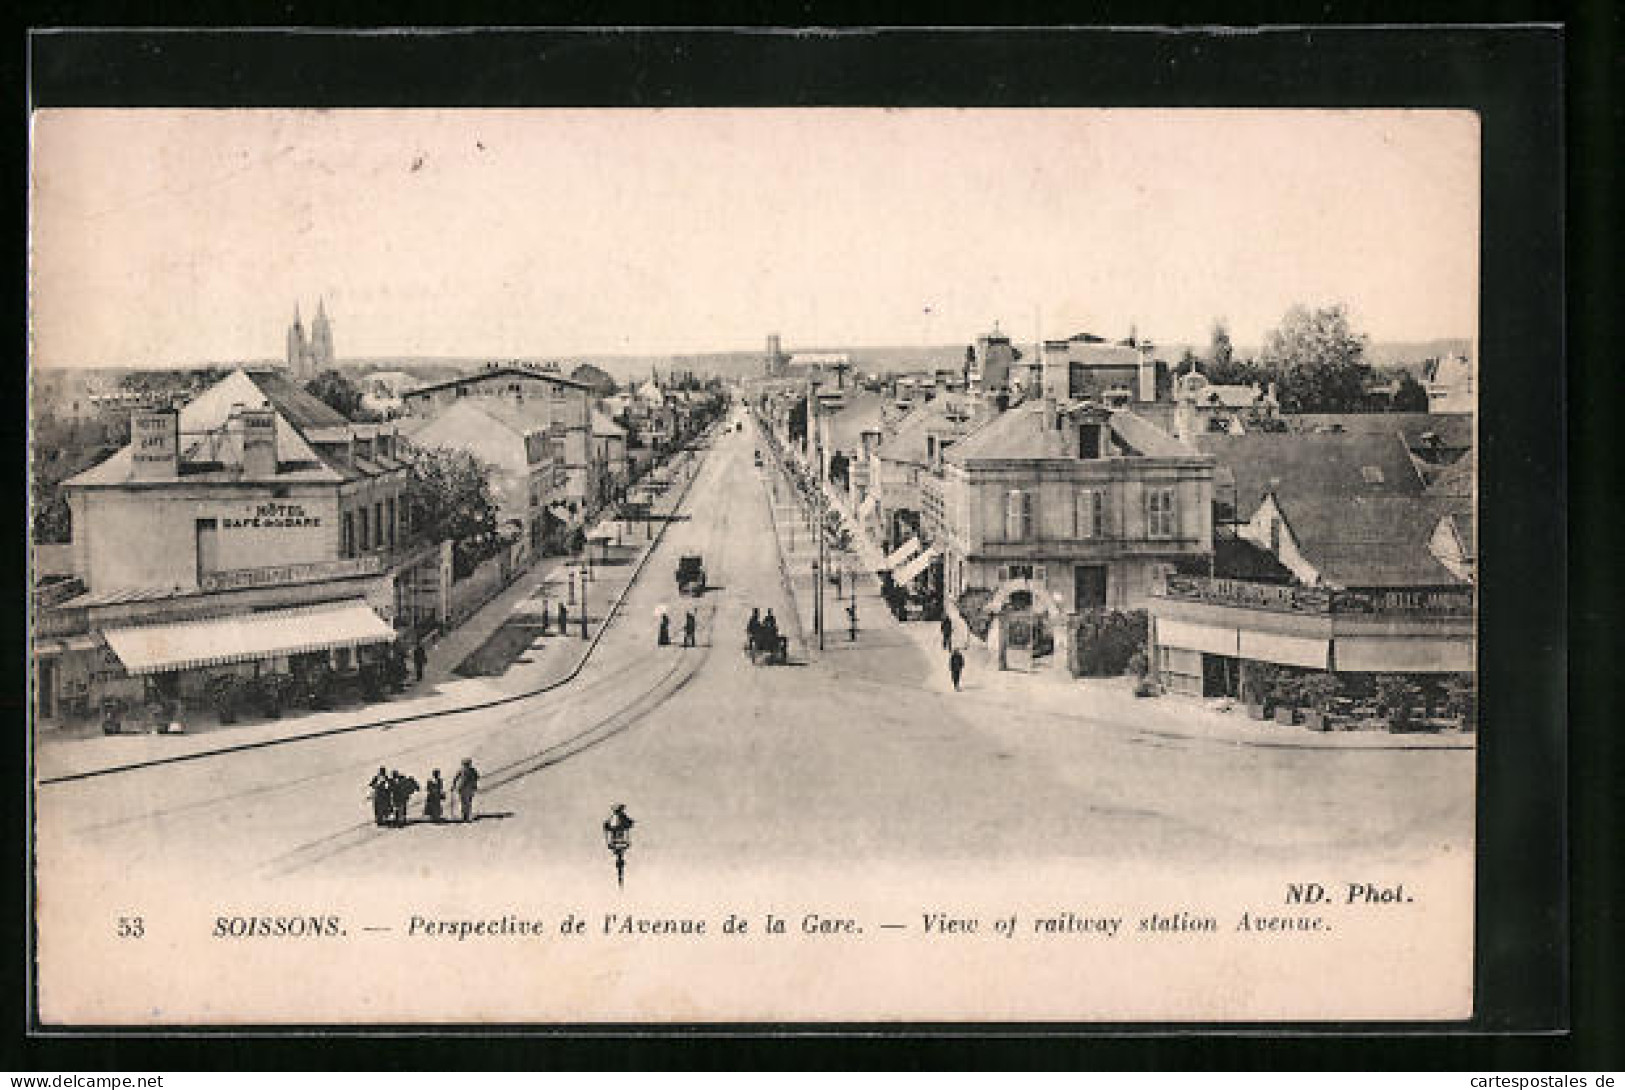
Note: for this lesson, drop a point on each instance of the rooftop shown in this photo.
(1021, 433)
(1337, 467)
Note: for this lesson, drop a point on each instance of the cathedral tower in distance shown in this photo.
(306, 357)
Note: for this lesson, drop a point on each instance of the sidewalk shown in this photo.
(1111, 702)
(542, 661)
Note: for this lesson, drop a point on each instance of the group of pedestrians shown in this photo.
(956, 657)
(392, 792)
(762, 634)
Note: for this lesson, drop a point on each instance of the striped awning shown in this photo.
(901, 553)
(916, 566)
(184, 645)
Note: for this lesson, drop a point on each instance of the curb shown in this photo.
(511, 698)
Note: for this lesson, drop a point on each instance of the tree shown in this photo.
(1411, 396)
(339, 393)
(1220, 352)
(449, 498)
(1320, 361)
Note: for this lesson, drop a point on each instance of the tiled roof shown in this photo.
(1019, 433)
(296, 405)
(907, 443)
(495, 372)
(862, 412)
(1367, 541)
(1456, 479)
(1455, 430)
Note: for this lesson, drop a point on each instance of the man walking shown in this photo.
(688, 629)
(564, 620)
(753, 633)
(420, 658)
(956, 666)
(464, 785)
(947, 633)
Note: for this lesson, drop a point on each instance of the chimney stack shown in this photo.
(155, 444)
(259, 442)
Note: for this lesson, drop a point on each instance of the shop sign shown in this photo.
(292, 573)
(271, 516)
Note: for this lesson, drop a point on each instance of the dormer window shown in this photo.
(1089, 441)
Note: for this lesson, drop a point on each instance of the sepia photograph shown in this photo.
(666, 565)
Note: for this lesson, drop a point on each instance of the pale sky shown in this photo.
(171, 236)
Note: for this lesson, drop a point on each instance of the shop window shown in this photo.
(391, 509)
(378, 521)
(349, 534)
(366, 538)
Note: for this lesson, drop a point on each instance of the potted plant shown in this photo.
(1318, 691)
(1461, 701)
(1397, 696)
(276, 693)
(1258, 688)
(318, 687)
(225, 696)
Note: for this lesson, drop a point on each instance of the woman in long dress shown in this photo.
(434, 798)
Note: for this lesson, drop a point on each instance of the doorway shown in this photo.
(1089, 587)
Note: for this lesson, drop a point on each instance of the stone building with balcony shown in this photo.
(1084, 506)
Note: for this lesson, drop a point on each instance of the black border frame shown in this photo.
(1513, 76)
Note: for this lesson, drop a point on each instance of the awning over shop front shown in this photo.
(901, 553)
(184, 645)
(1198, 637)
(560, 512)
(1284, 650)
(916, 566)
(867, 507)
(1404, 655)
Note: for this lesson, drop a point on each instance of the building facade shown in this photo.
(1091, 507)
(542, 396)
(253, 503)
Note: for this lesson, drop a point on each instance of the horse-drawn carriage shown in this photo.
(691, 575)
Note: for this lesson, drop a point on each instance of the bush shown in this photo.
(1396, 695)
(276, 692)
(1258, 681)
(973, 603)
(371, 677)
(1107, 640)
(225, 696)
(1317, 691)
(317, 687)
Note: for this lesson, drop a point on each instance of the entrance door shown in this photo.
(1089, 586)
(208, 547)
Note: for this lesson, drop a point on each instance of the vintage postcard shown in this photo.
(753, 565)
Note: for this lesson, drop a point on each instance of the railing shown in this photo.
(1445, 601)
